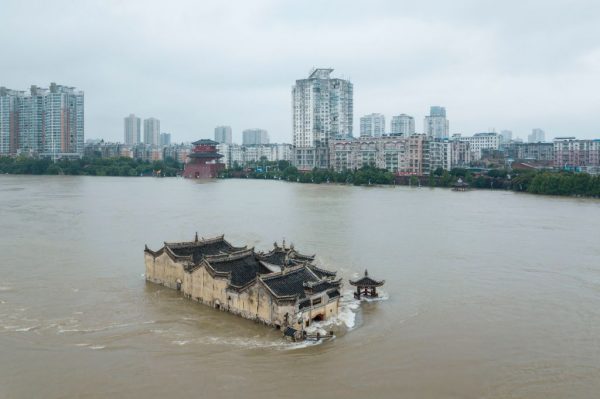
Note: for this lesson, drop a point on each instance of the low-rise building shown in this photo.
(246, 154)
(571, 153)
(460, 154)
(397, 154)
(529, 151)
(178, 152)
(440, 154)
(102, 149)
(479, 142)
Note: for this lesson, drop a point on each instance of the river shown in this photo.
(488, 294)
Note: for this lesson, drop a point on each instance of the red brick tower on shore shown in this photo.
(203, 161)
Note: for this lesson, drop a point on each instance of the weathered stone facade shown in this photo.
(281, 288)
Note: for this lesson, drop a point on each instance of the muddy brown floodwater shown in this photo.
(489, 294)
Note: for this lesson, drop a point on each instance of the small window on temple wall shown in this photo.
(316, 301)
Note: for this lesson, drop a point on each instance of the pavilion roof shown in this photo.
(205, 142)
(461, 183)
(367, 281)
(208, 155)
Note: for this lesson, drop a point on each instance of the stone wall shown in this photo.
(164, 270)
(254, 302)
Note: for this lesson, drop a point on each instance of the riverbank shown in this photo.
(535, 182)
(90, 166)
(542, 182)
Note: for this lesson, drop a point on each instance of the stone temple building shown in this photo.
(281, 288)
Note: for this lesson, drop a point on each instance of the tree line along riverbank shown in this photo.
(532, 181)
(536, 182)
(89, 166)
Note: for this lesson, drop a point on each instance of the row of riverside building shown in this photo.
(49, 122)
(233, 154)
(420, 154)
(322, 114)
(46, 122)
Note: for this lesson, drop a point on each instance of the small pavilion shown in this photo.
(366, 286)
(460, 185)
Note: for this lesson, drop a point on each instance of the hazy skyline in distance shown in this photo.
(512, 65)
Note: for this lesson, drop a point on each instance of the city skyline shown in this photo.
(486, 75)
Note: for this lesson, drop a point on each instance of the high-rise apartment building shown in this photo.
(255, 137)
(322, 109)
(132, 130)
(223, 134)
(31, 120)
(436, 125)
(372, 125)
(403, 125)
(165, 139)
(9, 120)
(537, 136)
(152, 131)
(49, 122)
(505, 136)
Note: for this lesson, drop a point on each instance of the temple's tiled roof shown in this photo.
(305, 303)
(321, 285)
(275, 258)
(243, 268)
(282, 256)
(322, 273)
(296, 283)
(205, 142)
(200, 248)
(333, 294)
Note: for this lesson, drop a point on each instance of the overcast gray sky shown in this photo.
(513, 65)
